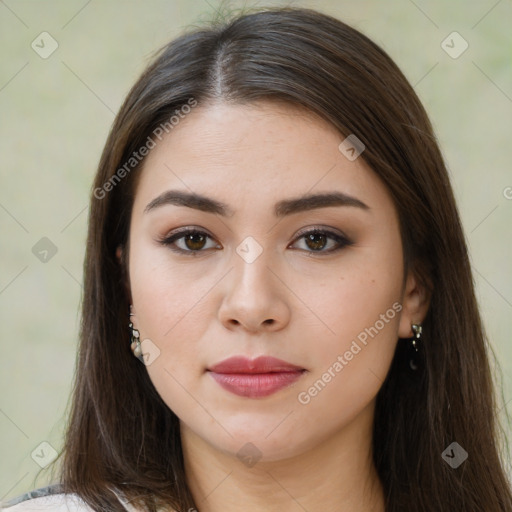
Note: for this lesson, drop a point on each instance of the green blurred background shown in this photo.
(55, 115)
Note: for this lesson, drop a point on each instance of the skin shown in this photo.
(201, 309)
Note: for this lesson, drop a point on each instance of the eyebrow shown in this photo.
(281, 208)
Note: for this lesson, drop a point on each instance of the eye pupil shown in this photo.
(316, 245)
(193, 238)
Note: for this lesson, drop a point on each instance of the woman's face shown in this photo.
(253, 282)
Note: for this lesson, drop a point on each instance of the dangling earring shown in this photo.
(415, 341)
(135, 340)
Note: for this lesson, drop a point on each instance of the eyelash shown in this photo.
(168, 241)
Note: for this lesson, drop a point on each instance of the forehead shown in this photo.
(246, 155)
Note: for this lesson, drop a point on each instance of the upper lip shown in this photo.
(262, 364)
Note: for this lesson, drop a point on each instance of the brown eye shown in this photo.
(317, 239)
(192, 241)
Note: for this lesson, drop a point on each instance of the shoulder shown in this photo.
(52, 498)
(56, 502)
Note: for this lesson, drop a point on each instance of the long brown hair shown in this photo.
(122, 436)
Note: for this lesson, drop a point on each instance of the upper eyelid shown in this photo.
(304, 231)
(313, 228)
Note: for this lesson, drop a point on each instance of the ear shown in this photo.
(415, 304)
(122, 260)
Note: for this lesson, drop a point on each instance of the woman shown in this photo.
(273, 234)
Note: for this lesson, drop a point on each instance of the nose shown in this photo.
(255, 297)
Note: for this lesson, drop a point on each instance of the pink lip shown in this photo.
(260, 377)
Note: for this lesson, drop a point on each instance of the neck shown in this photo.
(337, 474)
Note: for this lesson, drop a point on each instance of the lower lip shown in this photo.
(256, 385)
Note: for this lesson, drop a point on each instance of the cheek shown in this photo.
(163, 291)
(361, 320)
(169, 305)
(350, 367)
(360, 307)
(355, 296)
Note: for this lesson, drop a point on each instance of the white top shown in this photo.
(56, 502)
(49, 498)
(59, 502)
